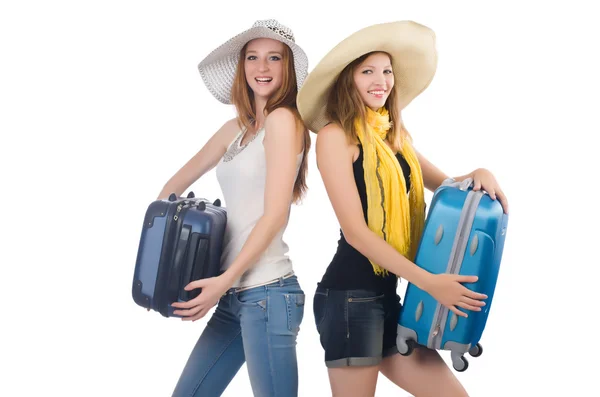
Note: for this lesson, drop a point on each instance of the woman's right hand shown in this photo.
(448, 290)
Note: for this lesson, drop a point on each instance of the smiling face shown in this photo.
(263, 65)
(374, 79)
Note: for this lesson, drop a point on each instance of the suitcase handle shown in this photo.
(183, 265)
(197, 254)
(464, 185)
(181, 253)
(186, 274)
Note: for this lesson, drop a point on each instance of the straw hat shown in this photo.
(218, 68)
(414, 55)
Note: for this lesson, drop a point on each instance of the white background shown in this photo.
(101, 102)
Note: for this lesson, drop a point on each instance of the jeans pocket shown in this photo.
(295, 311)
(252, 298)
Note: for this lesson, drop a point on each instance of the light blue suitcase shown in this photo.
(464, 234)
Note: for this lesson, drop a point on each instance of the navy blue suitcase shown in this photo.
(464, 233)
(181, 241)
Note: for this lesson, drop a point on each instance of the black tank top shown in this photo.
(349, 269)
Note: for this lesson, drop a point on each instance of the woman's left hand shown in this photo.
(484, 179)
(212, 290)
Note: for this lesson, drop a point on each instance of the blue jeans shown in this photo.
(258, 326)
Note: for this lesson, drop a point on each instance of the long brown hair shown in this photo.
(344, 105)
(242, 97)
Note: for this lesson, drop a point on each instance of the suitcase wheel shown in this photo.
(191, 195)
(201, 206)
(461, 364)
(475, 351)
(217, 203)
(172, 197)
(408, 347)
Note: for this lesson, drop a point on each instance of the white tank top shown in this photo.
(242, 176)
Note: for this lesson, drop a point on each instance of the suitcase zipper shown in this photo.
(468, 215)
(176, 216)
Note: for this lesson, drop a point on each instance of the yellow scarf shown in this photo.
(396, 217)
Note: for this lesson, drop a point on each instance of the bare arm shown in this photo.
(282, 140)
(432, 176)
(334, 161)
(202, 162)
(482, 179)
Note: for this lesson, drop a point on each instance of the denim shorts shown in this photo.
(356, 327)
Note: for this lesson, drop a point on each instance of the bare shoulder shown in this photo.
(281, 119)
(231, 124)
(227, 133)
(332, 132)
(333, 140)
(230, 128)
(283, 128)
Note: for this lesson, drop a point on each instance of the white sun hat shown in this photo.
(218, 68)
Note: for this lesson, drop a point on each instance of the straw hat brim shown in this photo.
(218, 68)
(413, 50)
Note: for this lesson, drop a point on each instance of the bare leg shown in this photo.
(423, 374)
(353, 381)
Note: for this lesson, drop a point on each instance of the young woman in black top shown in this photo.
(375, 180)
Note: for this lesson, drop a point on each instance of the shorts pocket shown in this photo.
(319, 308)
(359, 298)
(295, 310)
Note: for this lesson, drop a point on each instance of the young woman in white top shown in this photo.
(260, 160)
